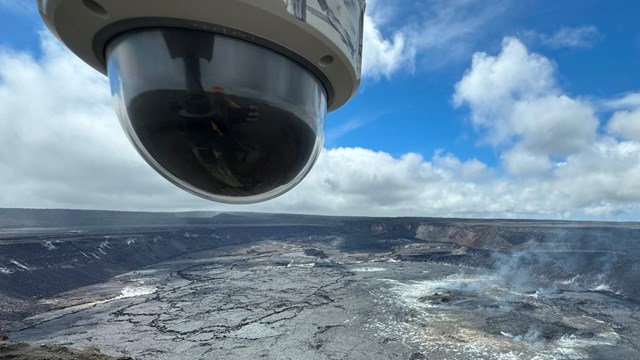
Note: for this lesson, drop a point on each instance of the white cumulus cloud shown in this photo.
(549, 137)
(62, 145)
(495, 84)
(627, 101)
(525, 163)
(400, 34)
(554, 125)
(383, 56)
(626, 124)
(514, 96)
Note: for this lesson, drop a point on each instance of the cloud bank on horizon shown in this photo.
(557, 154)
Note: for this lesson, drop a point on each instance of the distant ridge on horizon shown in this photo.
(51, 218)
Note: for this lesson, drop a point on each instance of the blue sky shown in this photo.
(470, 108)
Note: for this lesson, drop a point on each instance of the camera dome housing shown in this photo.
(224, 98)
(220, 117)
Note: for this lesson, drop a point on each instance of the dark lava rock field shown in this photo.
(235, 285)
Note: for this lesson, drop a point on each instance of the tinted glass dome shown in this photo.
(219, 117)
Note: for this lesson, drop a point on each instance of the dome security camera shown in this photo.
(224, 98)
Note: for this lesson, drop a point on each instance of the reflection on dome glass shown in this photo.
(240, 151)
(232, 121)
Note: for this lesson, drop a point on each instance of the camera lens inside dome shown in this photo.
(220, 117)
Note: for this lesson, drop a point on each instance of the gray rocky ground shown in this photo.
(383, 289)
(21, 351)
(273, 301)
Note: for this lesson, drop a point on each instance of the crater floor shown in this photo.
(292, 300)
